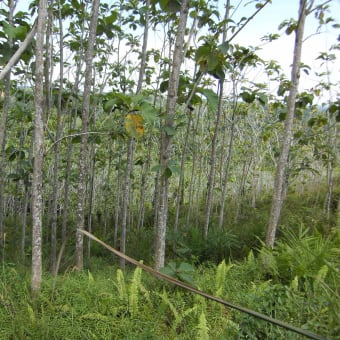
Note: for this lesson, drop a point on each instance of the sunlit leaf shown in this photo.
(263, 99)
(224, 47)
(134, 125)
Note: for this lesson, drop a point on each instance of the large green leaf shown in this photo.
(247, 96)
(148, 112)
(18, 32)
(212, 98)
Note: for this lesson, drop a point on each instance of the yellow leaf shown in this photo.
(134, 125)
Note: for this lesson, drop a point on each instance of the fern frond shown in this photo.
(320, 277)
(221, 273)
(203, 329)
(133, 290)
(121, 286)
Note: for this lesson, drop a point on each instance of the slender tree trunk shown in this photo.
(107, 192)
(127, 185)
(192, 184)
(55, 186)
(5, 109)
(144, 48)
(72, 126)
(83, 146)
(146, 168)
(17, 197)
(241, 191)
(91, 198)
(166, 139)
(67, 185)
(279, 182)
(180, 187)
(24, 220)
(332, 140)
(118, 199)
(48, 63)
(129, 156)
(2, 153)
(26, 203)
(211, 178)
(37, 204)
(181, 175)
(227, 168)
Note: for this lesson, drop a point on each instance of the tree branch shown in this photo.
(15, 57)
(247, 21)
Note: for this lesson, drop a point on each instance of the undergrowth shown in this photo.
(300, 286)
(298, 282)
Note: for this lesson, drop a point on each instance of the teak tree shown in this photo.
(37, 182)
(166, 139)
(84, 133)
(280, 184)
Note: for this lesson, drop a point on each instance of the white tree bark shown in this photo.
(280, 177)
(83, 146)
(166, 143)
(37, 204)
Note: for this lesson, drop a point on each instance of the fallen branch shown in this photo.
(181, 284)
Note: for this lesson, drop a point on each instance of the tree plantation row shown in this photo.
(140, 121)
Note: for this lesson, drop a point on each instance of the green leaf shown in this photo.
(282, 115)
(169, 130)
(172, 265)
(202, 53)
(224, 47)
(263, 99)
(156, 168)
(163, 4)
(167, 271)
(291, 28)
(111, 18)
(283, 87)
(163, 87)
(171, 6)
(218, 72)
(167, 172)
(186, 278)
(212, 98)
(186, 267)
(94, 138)
(248, 97)
(174, 167)
(148, 112)
(76, 139)
(109, 105)
(15, 177)
(18, 32)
